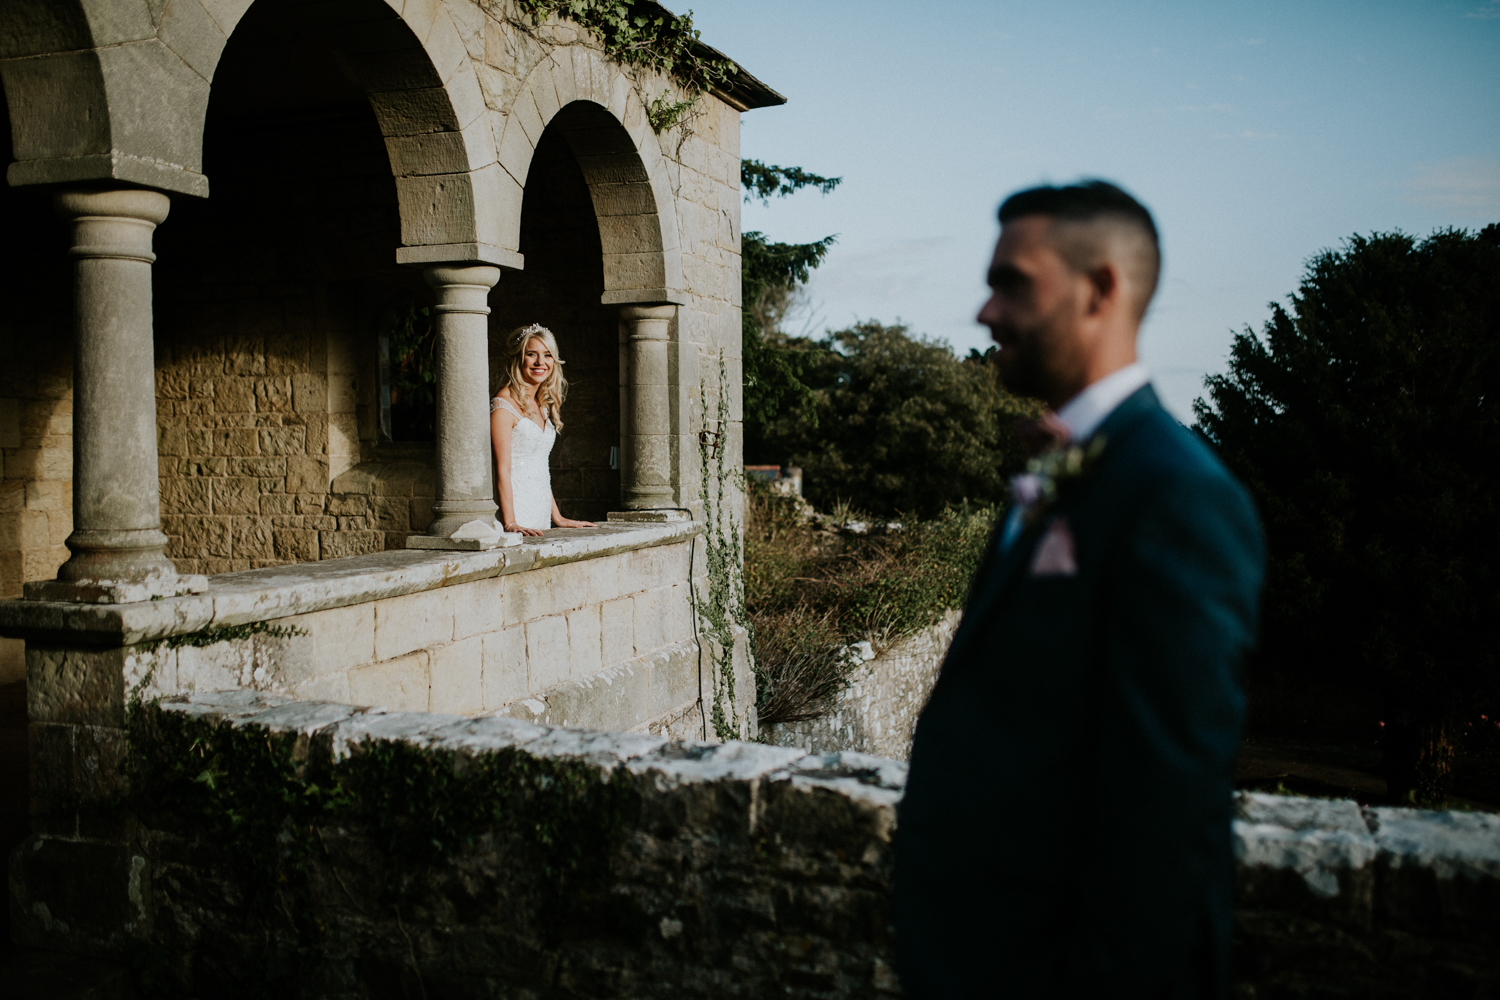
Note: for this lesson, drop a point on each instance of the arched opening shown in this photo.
(271, 299)
(35, 447)
(36, 380)
(561, 288)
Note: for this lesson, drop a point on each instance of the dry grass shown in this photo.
(813, 587)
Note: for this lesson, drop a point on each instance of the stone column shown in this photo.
(117, 541)
(646, 478)
(465, 462)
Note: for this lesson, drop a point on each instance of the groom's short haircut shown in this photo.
(1096, 221)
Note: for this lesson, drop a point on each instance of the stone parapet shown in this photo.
(594, 628)
(1336, 900)
(727, 870)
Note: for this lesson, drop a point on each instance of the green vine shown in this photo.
(724, 609)
(665, 113)
(226, 633)
(640, 33)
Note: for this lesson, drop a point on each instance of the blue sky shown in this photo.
(1258, 133)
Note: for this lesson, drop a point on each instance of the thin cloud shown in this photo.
(1487, 12)
(1467, 186)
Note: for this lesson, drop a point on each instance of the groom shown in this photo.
(1065, 829)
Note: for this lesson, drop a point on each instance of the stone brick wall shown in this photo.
(877, 712)
(382, 501)
(36, 397)
(728, 870)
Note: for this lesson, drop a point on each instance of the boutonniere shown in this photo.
(1037, 489)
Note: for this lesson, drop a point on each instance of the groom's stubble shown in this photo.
(1026, 361)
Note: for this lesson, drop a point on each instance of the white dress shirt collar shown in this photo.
(1086, 411)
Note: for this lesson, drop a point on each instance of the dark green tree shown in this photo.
(770, 274)
(1365, 419)
(902, 425)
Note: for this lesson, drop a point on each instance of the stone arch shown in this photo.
(119, 89)
(606, 127)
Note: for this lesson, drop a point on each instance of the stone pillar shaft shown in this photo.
(117, 541)
(646, 401)
(465, 465)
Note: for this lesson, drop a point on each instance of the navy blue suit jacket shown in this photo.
(1065, 828)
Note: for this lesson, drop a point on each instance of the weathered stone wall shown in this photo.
(728, 870)
(877, 712)
(36, 397)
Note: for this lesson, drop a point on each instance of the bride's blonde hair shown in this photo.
(552, 391)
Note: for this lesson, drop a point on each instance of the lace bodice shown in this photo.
(530, 478)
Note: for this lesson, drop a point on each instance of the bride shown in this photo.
(525, 416)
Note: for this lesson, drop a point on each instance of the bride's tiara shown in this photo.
(529, 331)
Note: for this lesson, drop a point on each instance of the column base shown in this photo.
(115, 566)
(450, 515)
(114, 591)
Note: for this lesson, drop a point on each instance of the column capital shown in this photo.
(648, 322)
(115, 203)
(635, 312)
(462, 288)
(112, 224)
(461, 273)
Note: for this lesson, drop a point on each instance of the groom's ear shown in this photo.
(1104, 287)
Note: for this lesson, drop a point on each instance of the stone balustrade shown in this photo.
(591, 627)
(724, 870)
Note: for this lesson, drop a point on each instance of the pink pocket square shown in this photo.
(1054, 553)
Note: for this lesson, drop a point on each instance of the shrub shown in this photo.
(1365, 420)
(896, 423)
(814, 586)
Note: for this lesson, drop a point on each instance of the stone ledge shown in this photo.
(869, 782)
(1313, 838)
(282, 591)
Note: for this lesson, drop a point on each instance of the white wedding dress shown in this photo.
(530, 478)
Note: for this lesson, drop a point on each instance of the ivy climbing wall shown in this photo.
(305, 848)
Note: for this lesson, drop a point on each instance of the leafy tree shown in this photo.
(770, 273)
(1366, 422)
(902, 425)
(763, 181)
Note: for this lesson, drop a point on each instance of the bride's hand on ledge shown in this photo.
(564, 522)
(528, 532)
